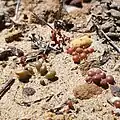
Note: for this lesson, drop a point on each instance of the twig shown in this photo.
(28, 104)
(17, 8)
(40, 19)
(117, 66)
(108, 39)
(88, 21)
(6, 87)
(114, 35)
(46, 48)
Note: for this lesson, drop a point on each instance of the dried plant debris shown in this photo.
(13, 36)
(53, 116)
(54, 46)
(2, 20)
(10, 51)
(116, 111)
(76, 3)
(115, 90)
(4, 55)
(31, 57)
(65, 25)
(38, 43)
(15, 51)
(7, 85)
(49, 10)
(108, 21)
(28, 91)
(86, 91)
(104, 57)
(113, 100)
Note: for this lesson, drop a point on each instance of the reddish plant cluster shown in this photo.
(58, 38)
(99, 78)
(25, 59)
(79, 53)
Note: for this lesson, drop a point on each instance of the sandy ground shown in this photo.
(69, 76)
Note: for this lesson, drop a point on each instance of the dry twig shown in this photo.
(40, 19)
(17, 8)
(6, 87)
(107, 38)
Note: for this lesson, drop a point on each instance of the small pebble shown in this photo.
(28, 91)
(42, 82)
(4, 64)
(74, 67)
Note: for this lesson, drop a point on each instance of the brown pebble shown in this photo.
(42, 82)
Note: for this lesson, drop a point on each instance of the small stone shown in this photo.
(115, 90)
(4, 64)
(42, 82)
(74, 67)
(114, 13)
(4, 55)
(98, 108)
(92, 110)
(118, 22)
(106, 26)
(112, 29)
(118, 29)
(77, 3)
(77, 110)
(28, 91)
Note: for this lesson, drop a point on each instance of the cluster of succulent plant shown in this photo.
(25, 74)
(98, 77)
(79, 53)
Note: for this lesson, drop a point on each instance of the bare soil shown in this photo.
(69, 74)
